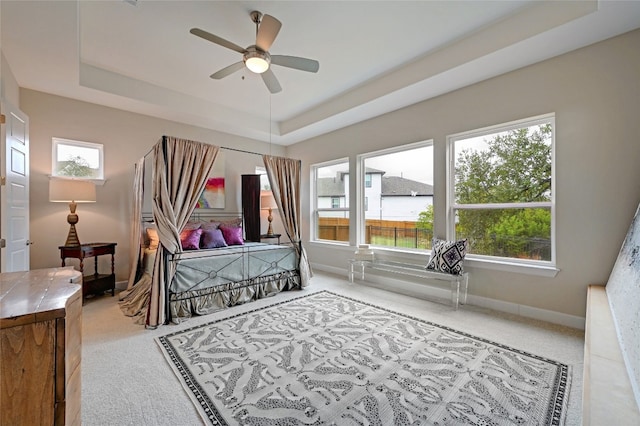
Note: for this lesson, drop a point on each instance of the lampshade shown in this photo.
(268, 202)
(72, 190)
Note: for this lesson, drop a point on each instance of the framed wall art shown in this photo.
(213, 195)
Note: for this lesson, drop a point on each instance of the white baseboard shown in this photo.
(421, 290)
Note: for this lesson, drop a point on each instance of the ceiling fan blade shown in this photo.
(217, 40)
(271, 81)
(227, 70)
(267, 32)
(296, 62)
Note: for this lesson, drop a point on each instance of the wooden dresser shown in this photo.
(40, 347)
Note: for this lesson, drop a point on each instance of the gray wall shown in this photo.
(126, 137)
(595, 94)
(9, 90)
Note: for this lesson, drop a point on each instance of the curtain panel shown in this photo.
(284, 178)
(180, 172)
(136, 219)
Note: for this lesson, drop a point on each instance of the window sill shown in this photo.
(422, 257)
(548, 271)
(97, 182)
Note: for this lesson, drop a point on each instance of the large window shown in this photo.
(77, 159)
(397, 197)
(331, 209)
(500, 195)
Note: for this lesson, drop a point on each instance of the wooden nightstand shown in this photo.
(95, 283)
(272, 237)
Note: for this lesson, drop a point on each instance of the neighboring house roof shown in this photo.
(373, 171)
(330, 187)
(398, 186)
(367, 170)
(391, 186)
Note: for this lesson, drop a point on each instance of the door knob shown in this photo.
(29, 242)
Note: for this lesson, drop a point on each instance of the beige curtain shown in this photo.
(136, 219)
(180, 172)
(284, 177)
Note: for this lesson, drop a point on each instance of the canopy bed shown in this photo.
(170, 281)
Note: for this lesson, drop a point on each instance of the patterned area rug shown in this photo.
(325, 359)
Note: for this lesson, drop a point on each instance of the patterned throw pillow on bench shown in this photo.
(447, 256)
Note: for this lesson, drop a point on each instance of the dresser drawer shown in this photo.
(88, 253)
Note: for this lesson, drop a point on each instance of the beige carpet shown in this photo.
(126, 381)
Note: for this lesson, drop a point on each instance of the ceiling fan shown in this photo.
(256, 57)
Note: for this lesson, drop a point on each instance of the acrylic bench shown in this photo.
(458, 282)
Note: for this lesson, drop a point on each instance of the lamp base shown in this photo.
(72, 219)
(72, 237)
(270, 219)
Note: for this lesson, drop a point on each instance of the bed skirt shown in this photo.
(205, 301)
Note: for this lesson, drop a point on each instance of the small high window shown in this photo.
(77, 159)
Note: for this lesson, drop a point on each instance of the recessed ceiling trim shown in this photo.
(522, 25)
(107, 81)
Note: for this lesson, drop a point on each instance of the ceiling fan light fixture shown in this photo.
(257, 61)
(257, 65)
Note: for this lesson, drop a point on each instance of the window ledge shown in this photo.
(537, 269)
(97, 182)
(419, 257)
(332, 244)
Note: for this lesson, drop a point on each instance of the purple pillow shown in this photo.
(190, 239)
(212, 238)
(190, 226)
(232, 235)
(209, 225)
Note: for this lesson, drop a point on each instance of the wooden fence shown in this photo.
(406, 234)
(388, 233)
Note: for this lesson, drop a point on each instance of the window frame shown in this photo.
(360, 212)
(315, 211)
(452, 207)
(55, 141)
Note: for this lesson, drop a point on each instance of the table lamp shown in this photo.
(72, 191)
(267, 202)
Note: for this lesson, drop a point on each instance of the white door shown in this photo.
(14, 191)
